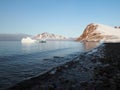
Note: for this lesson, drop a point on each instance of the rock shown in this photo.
(53, 71)
(57, 57)
(66, 66)
(51, 87)
(84, 84)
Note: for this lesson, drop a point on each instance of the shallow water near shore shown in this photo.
(19, 62)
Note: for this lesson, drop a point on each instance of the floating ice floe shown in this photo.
(28, 40)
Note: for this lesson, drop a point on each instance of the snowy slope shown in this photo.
(107, 30)
(46, 35)
(100, 32)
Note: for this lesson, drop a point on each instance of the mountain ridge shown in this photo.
(49, 36)
(100, 32)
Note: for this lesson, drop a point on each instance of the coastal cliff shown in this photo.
(100, 32)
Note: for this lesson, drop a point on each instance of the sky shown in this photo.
(64, 17)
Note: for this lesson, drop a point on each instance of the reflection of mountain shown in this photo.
(50, 36)
(12, 37)
(90, 45)
(99, 32)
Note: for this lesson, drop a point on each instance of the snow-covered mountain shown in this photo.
(50, 36)
(99, 32)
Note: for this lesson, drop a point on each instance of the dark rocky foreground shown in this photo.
(98, 69)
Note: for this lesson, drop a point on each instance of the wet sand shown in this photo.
(95, 70)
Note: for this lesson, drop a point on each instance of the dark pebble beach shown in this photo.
(98, 69)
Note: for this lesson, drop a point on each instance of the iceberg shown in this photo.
(28, 40)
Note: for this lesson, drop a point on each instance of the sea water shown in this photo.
(19, 61)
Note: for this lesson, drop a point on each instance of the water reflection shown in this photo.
(55, 45)
(27, 60)
(90, 45)
(50, 45)
(27, 47)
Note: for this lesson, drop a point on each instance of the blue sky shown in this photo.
(65, 17)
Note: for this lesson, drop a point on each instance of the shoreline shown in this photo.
(45, 74)
(87, 71)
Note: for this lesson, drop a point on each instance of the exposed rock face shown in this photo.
(90, 34)
(49, 36)
(99, 32)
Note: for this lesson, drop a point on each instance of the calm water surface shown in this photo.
(22, 61)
